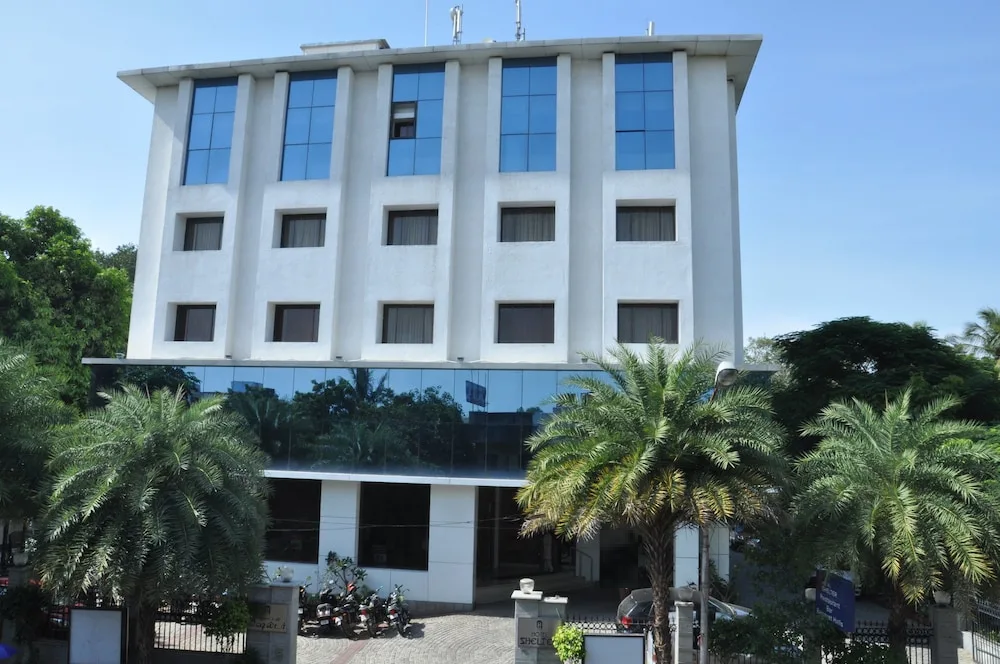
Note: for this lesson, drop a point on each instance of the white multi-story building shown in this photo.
(412, 247)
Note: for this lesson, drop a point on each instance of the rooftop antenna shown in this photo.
(427, 13)
(519, 31)
(456, 24)
(651, 28)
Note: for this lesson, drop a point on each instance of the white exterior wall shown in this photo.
(584, 272)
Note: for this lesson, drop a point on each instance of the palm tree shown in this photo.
(151, 499)
(648, 451)
(29, 406)
(903, 497)
(982, 338)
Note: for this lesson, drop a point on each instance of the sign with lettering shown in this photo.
(835, 599)
(270, 618)
(535, 633)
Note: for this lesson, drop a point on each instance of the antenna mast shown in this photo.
(427, 14)
(651, 29)
(518, 31)
(456, 24)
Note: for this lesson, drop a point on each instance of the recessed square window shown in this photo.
(638, 322)
(408, 324)
(412, 227)
(646, 224)
(528, 224)
(195, 322)
(296, 323)
(526, 323)
(303, 230)
(202, 234)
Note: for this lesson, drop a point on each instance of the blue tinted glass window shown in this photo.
(528, 115)
(210, 132)
(417, 120)
(644, 111)
(312, 99)
(514, 153)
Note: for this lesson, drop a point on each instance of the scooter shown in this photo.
(373, 613)
(347, 613)
(399, 614)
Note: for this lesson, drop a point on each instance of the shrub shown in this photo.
(568, 642)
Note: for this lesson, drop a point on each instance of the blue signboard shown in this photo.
(835, 599)
(475, 394)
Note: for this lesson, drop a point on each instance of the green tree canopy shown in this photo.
(904, 497)
(56, 300)
(151, 499)
(29, 406)
(861, 358)
(649, 451)
(981, 338)
(123, 258)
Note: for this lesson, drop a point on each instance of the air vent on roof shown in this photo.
(344, 47)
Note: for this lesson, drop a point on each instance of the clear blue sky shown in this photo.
(869, 133)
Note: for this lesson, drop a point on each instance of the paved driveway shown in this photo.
(483, 637)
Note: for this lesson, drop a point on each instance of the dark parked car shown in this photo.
(635, 613)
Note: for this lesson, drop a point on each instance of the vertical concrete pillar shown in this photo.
(276, 642)
(683, 637)
(946, 638)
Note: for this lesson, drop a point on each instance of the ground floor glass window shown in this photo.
(395, 525)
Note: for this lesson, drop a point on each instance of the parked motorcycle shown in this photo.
(324, 610)
(303, 599)
(399, 614)
(347, 614)
(373, 613)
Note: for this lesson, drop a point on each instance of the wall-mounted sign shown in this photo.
(534, 633)
(270, 618)
(475, 393)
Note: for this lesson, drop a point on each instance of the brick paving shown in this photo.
(472, 638)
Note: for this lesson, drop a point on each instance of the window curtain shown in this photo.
(646, 224)
(526, 324)
(296, 323)
(203, 235)
(409, 324)
(303, 231)
(528, 225)
(195, 323)
(413, 229)
(638, 322)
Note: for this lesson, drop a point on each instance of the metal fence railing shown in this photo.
(986, 633)
(182, 627)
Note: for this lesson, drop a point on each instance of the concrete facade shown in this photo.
(584, 272)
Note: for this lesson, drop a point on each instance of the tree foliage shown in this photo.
(28, 407)
(904, 496)
(868, 360)
(153, 499)
(981, 338)
(648, 451)
(123, 258)
(56, 300)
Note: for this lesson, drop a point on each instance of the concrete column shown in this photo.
(946, 638)
(275, 642)
(685, 557)
(683, 637)
(451, 553)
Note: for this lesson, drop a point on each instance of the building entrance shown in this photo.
(502, 555)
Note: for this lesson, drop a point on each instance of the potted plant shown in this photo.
(568, 642)
(284, 573)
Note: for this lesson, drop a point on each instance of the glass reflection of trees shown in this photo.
(353, 425)
(397, 421)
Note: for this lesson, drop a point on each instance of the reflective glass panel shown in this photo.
(196, 170)
(628, 76)
(429, 115)
(516, 81)
(659, 111)
(204, 100)
(431, 85)
(514, 115)
(542, 118)
(218, 379)
(253, 375)
(405, 86)
(305, 378)
(504, 391)
(514, 153)
(539, 387)
(658, 75)
(218, 167)
(401, 153)
(630, 150)
(427, 156)
(541, 152)
(404, 380)
(442, 380)
(629, 111)
(659, 149)
(200, 137)
(309, 123)
(281, 380)
(543, 79)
